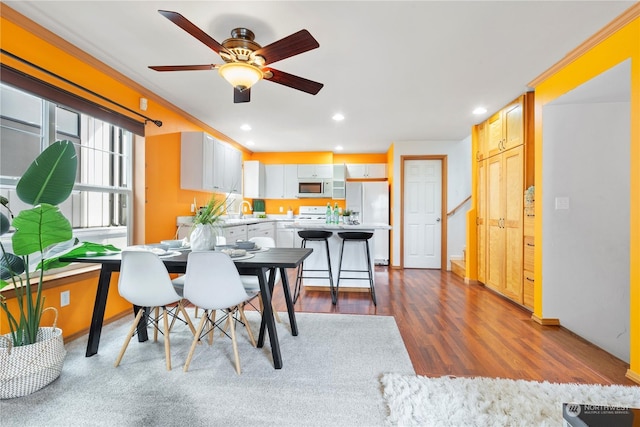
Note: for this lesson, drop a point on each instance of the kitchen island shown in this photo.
(354, 257)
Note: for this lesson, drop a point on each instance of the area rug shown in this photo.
(330, 377)
(450, 401)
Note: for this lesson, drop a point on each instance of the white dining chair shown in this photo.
(178, 282)
(251, 283)
(212, 283)
(145, 282)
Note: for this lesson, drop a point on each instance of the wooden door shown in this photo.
(422, 208)
(513, 165)
(495, 237)
(481, 220)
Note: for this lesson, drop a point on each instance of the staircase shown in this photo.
(458, 267)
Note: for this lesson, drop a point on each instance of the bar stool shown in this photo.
(315, 236)
(357, 236)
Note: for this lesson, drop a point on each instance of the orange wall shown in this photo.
(623, 44)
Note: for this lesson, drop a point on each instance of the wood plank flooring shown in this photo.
(451, 328)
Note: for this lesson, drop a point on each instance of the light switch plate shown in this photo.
(562, 203)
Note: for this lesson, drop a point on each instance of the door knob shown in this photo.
(437, 219)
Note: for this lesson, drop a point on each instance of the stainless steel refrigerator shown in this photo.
(371, 200)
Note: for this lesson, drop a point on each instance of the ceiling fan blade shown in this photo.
(192, 29)
(294, 82)
(241, 96)
(294, 44)
(183, 67)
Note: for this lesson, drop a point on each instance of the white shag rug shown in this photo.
(455, 401)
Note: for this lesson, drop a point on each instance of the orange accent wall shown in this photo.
(622, 45)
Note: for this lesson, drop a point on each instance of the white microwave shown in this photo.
(314, 188)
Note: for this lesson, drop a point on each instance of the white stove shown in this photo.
(312, 213)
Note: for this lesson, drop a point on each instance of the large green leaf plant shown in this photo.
(47, 182)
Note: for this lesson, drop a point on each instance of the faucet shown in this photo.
(241, 206)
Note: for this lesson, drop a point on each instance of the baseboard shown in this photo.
(545, 321)
(633, 376)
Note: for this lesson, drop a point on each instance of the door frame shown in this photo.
(443, 205)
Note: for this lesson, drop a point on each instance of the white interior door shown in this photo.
(422, 200)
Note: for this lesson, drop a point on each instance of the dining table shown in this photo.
(263, 261)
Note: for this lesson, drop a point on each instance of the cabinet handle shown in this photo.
(530, 279)
(530, 244)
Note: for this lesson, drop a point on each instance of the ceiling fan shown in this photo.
(246, 62)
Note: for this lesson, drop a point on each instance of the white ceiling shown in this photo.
(397, 70)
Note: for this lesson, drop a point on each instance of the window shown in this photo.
(99, 207)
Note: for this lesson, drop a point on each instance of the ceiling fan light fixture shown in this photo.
(240, 75)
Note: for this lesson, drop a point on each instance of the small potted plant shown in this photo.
(206, 225)
(32, 355)
(346, 216)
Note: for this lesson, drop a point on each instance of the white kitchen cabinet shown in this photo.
(262, 229)
(315, 171)
(254, 179)
(227, 168)
(209, 165)
(235, 232)
(274, 181)
(290, 182)
(232, 181)
(366, 170)
(281, 181)
(287, 237)
(338, 189)
(197, 161)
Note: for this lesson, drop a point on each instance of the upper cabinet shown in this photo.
(209, 165)
(481, 146)
(315, 171)
(338, 191)
(196, 161)
(254, 179)
(505, 129)
(281, 181)
(366, 170)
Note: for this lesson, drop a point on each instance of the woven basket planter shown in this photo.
(28, 368)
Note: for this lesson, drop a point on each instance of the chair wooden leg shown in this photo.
(246, 325)
(186, 317)
(233, 340)
(128, 337)
(196, 339)
(167, 342)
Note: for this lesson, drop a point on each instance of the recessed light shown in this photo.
(479, 110)
(339, 148)
(338, 117)
(245, 127)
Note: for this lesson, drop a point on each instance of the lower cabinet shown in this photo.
(235, 232)
(287, 237)
(261, 229)
(528, 253)
(504, 241)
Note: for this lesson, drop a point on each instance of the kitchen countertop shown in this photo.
(310, 225)
(227, 222)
